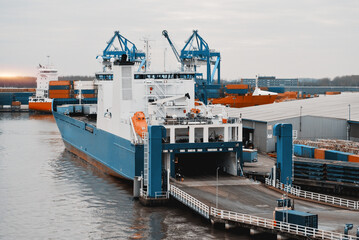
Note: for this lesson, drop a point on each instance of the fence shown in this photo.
(190, 201)
(279, 226)
(296, 191)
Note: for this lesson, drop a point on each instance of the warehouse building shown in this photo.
(329, 117)
(270, 81)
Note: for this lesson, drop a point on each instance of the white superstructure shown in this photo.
(44, 76)
(166, 99)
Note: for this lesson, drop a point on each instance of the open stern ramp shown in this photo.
(255, 222)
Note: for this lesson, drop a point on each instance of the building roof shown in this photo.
(331, 106)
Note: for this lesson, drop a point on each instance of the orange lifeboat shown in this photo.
(139, 123)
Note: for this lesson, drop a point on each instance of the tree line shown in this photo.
(30, 82)
(352, 80)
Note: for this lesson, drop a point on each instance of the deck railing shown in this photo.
(158, 195)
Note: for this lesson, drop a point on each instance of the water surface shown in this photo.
(47, 192)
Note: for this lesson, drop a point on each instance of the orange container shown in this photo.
(59, 91)
(15, 103)
(332, 93)
(319, 153)
(59, 83)
(353, 158)
(91, 95)
(53, 95)
(237, 86)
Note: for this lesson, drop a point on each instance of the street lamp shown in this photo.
(300, 119)
(287, 200)
(217, 189)
(349, 111)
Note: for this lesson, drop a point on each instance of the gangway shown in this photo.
(254, 222)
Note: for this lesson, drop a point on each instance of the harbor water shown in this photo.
(48, 193)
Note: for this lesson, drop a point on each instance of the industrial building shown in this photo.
(270, 81)
(329, 117)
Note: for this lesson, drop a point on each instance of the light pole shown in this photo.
(349, 111)
(217, 189)
(287, 200)
(300, 119)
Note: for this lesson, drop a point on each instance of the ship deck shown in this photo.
(85, 119)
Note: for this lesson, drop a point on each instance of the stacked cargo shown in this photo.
(326, 170)
(237, 89)
(6, 98)
(85, 88)
(332, 144)
(60, 89)
(323, 153)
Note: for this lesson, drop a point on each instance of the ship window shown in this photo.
(182, 135)
(198, 135)
(215, 134)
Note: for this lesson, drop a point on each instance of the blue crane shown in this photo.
(165, 34)
(197, 52)
(125, 47)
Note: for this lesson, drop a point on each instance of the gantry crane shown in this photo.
(197, 52)
(125, 47)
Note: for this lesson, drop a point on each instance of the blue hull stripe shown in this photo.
(116, 153)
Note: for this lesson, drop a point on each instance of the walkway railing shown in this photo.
(251, 220)
(315, 196)
(277, 225)
(158, 195)
(190, 201)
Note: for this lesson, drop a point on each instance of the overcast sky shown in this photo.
(283, 38)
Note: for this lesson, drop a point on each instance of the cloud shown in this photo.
(279, 37)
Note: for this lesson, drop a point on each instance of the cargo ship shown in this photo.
(148, 126)
(49, 87)
(41, 101)
(238, 96)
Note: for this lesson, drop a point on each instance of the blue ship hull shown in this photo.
(110, 153)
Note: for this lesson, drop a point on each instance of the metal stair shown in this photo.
(145, 159)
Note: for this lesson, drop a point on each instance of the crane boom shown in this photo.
(165, 34)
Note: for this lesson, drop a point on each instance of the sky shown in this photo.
(282, 38)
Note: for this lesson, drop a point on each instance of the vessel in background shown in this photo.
(49, 87)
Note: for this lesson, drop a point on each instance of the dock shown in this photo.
(241, 202)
